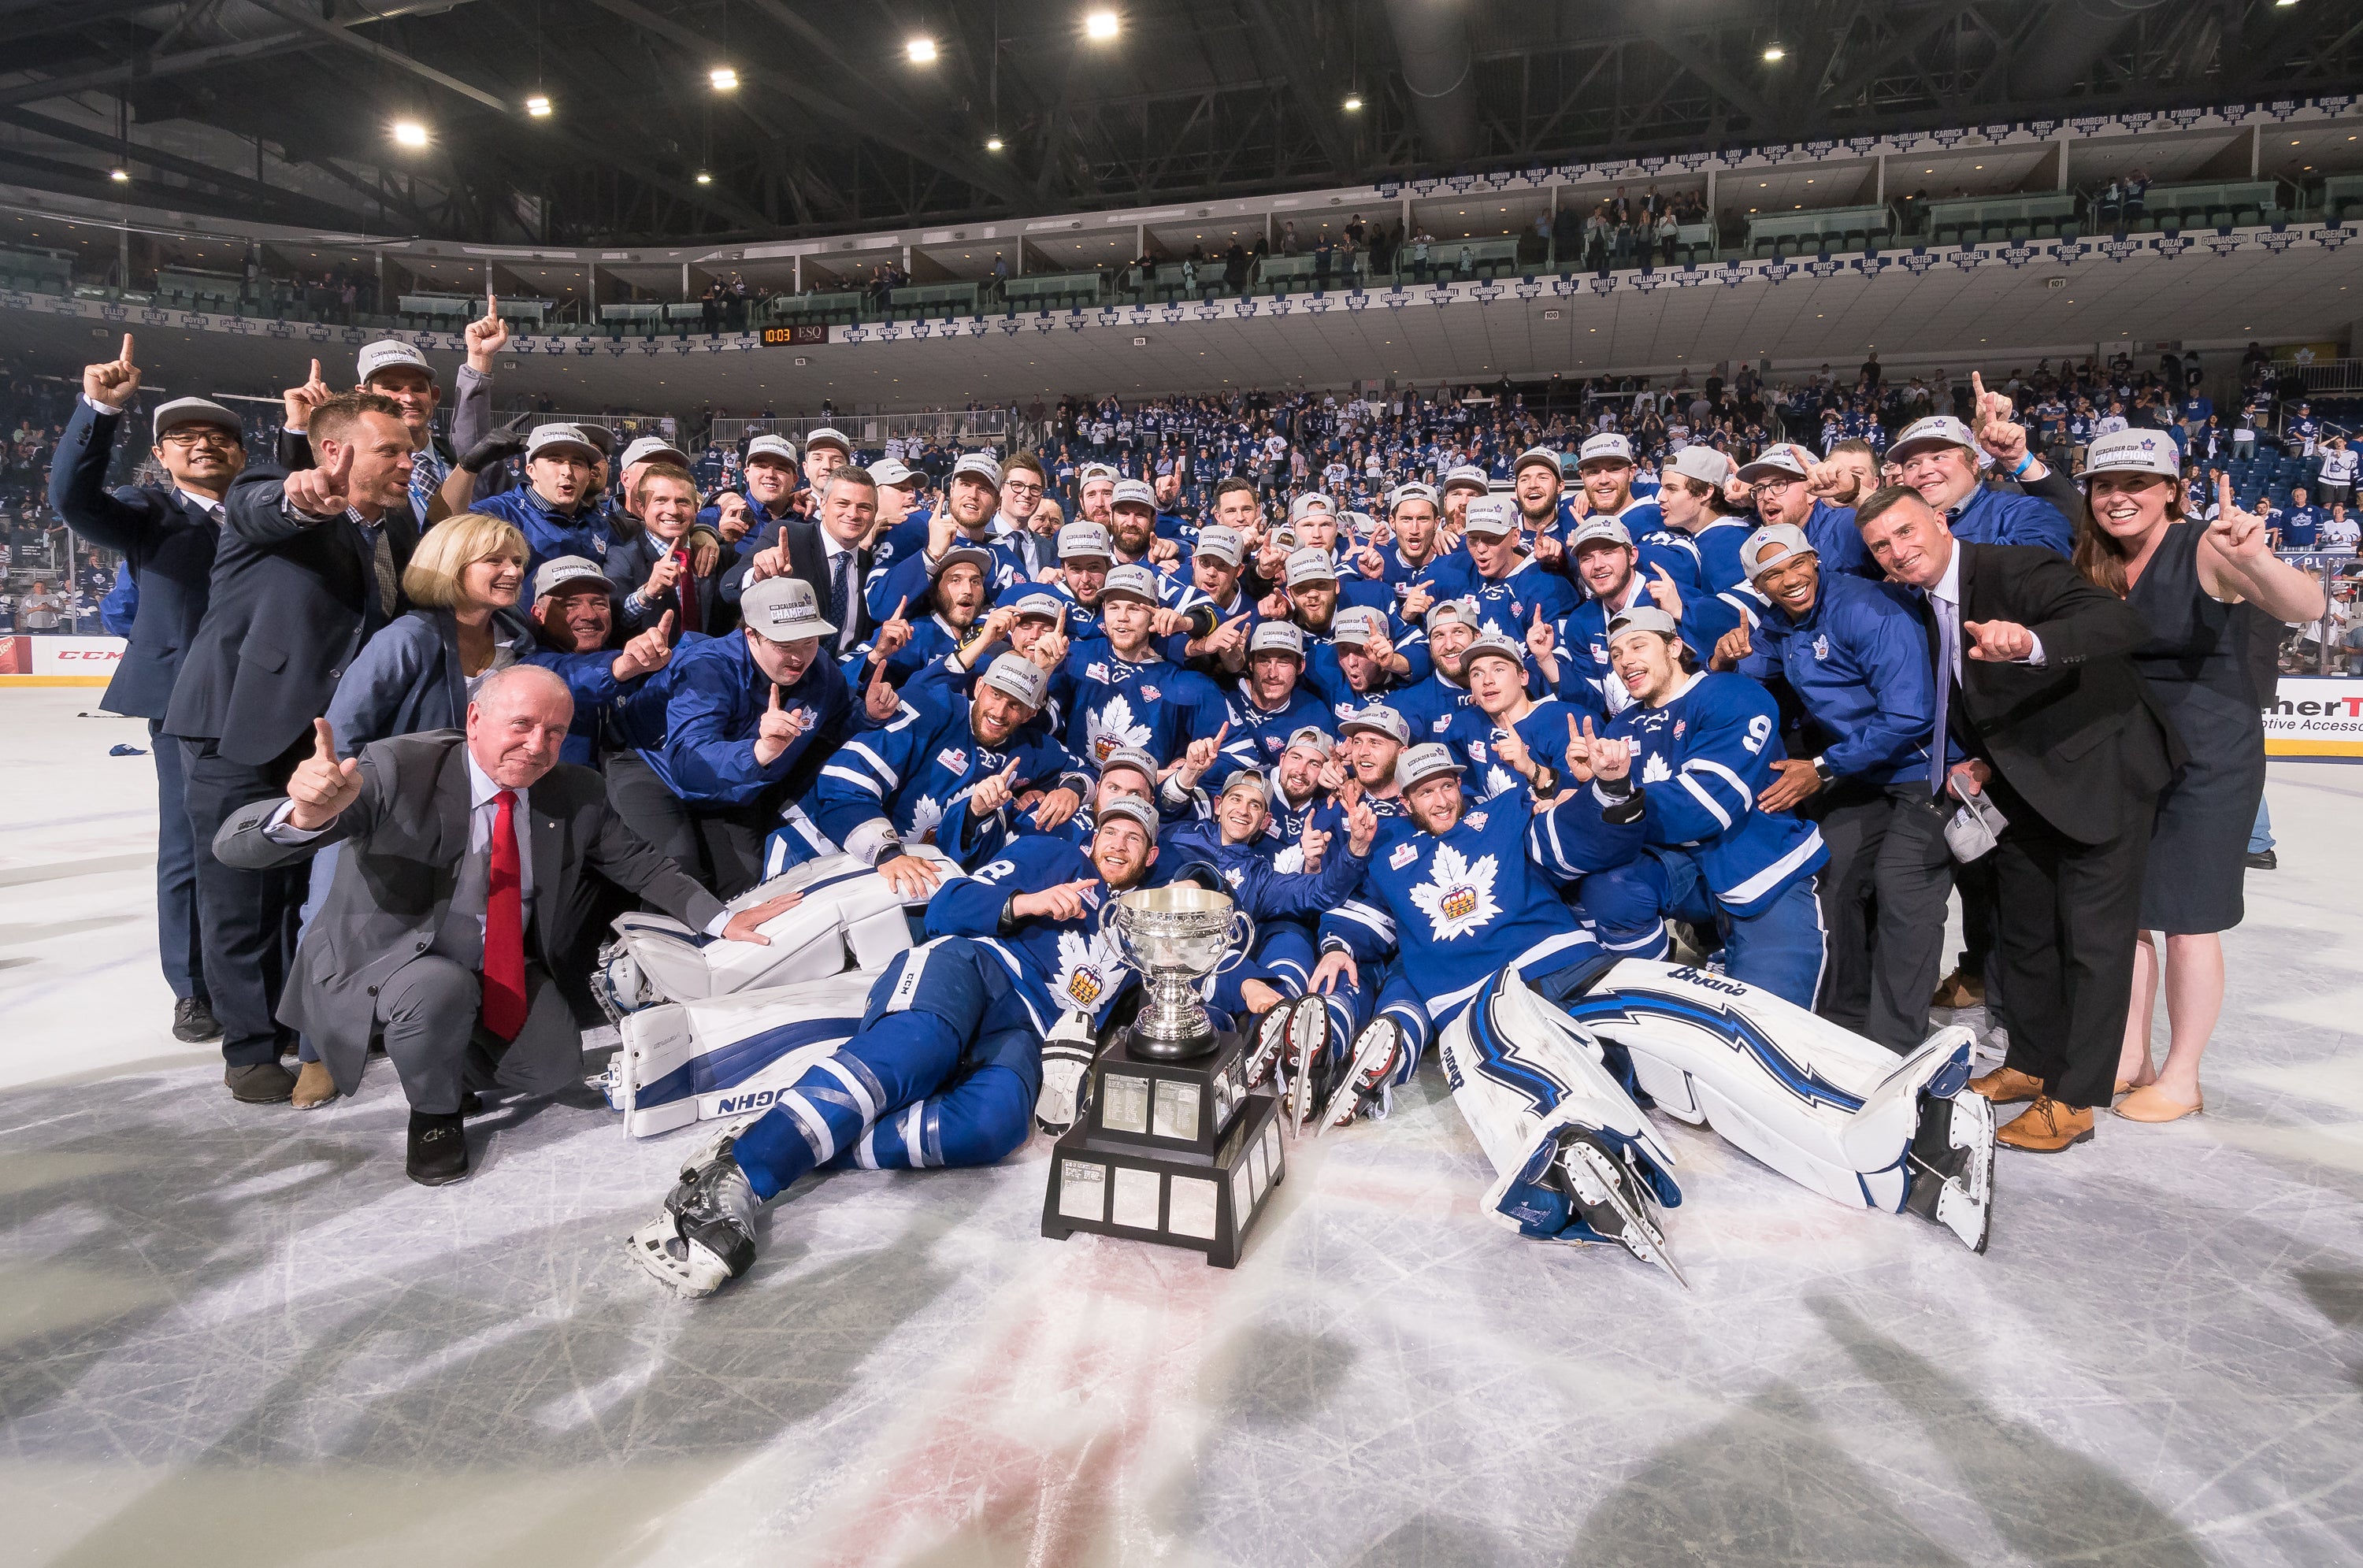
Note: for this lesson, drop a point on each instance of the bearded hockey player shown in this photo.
(947, 1064)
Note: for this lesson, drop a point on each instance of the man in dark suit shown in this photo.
(463, 889)
(669, 563)
(166, 533)
(2046, 716)
(307, 567)
(833, 555)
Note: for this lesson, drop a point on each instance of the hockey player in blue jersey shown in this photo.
(971, 498)
(1121, 691)
(1574, 660)
(1504, 735)
(947, 1064)
(1410, 552)
(1854, 654)
(1429, 707)
(1494, 570)
(946, 773)
(1706, 745)
(1271, 703)
(1691, 501)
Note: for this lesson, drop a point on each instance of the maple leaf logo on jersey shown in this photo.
(1497, 779)
(1091, 967)
(1111, 728)
(1458, 897)
(925, 815)
(1654, 770)
(1288, 861)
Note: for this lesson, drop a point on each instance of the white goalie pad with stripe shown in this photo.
(728, 1056)
(1825, 1107)
(848, 919)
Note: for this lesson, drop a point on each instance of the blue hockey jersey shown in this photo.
(1473, 736)
(1057, 966)
(1111, 702)
(918, 770)
(1455, 909)
(1703, 758)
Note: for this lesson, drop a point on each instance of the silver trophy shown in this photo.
(1176, 938)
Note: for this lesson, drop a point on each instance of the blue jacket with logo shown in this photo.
(549, 533)
(1859, 661)
(714, 696)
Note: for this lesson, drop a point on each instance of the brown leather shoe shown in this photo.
(313, 1086)
(2008, 1086)
(2047, 1127)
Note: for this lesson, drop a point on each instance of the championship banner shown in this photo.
(2316, 716)
(27, 660)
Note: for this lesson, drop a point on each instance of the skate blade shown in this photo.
(1640, 1238)
(647, 1249)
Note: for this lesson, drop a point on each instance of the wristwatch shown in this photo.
(1546, 781)
(1822, 769)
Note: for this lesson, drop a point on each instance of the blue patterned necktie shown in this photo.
(427, 472)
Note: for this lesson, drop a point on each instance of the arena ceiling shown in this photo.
(284, 111)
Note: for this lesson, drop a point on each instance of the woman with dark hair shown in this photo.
(2205, 587)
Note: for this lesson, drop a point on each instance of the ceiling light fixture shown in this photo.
(409, 133)
(1100, 25)
(122, 177)
(703, 178)
(993, 144)
(536, 106)
(922, 50)
(1774, 54)
(1353, 102)
(724, 79)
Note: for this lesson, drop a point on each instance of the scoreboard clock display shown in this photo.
(793, 337)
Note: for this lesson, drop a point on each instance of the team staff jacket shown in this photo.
(1859, 662)
(1455, 908)
(1832, 532)
(1992, 517)
(1057, 966)
(1703, 758)
(917, 772)
(549, 533)
(1258, 886)
(714, 696)
(1111, 702)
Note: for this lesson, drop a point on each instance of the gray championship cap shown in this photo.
(195, 410)
(1355, 625)
(1020, 678)
(1937, 430)
(1420, 763)
(779, 449)
(1542, 455)
(1313, 738)
(1311, 564)
(1605, 447)
(1249, 779)
(546, 440)
(1596, 529)
(1134, 493)
(1444, 612)
(650, 448)
(1048, 606)
(1277, 636)
(1415, 490)
(896, 473)
(1769, 545)
(1221, 543)
(1134, 757)
(1703, 464)
(1085, 541)
(391, 354)
(975, 464)
(1131, 582)
(830, 435)
(561, 570)
(1466, 477)
(1780, 460)
(1495, 645)
(1133, 809)
(976, 556)
(1643, 618)
(2132, 452)
(1495, 516)
(783, 610)
(1379, 719)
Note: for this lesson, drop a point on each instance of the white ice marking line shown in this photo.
(18, 875)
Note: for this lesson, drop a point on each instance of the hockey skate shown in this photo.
(1950, 1161)
(705, 1237)
(1066, 1075)
(1611, 1199)
(1304, 1061)
(1377, 1055)
(1283, 1034)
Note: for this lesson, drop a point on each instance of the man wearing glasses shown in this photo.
(1779, 479)
(167, 535)
(1022, 484)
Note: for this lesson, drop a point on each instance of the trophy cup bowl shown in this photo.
(1176, 938)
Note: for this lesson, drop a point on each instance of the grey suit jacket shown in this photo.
(405, 839)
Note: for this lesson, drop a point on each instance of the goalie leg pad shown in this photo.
(1950, 1164)
(706, 1236)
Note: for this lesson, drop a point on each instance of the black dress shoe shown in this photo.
(194, 1021)
(439, 1150)
(472, 1103)
(2266, 861)
(260, 1083)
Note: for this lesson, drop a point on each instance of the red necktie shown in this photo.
(684, 588)
(505, 927)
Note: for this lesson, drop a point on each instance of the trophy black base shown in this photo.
(1174, 1152)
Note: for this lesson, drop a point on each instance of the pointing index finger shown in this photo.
(126, 347)
(776, 697)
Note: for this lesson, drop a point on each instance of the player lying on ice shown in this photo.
(1552, 1057)
(947, 1066)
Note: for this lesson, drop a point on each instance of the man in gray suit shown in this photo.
(461, 889)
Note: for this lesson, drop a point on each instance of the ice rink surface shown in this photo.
(235, 1334)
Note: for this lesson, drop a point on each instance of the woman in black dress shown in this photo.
(2201, 585)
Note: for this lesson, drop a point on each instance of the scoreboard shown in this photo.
(795, 337)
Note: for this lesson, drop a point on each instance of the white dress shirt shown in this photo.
(1944, 598)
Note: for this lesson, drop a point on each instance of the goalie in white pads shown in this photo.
(1552, 1058)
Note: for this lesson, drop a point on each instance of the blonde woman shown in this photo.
(2201, 586)
(419, 672)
